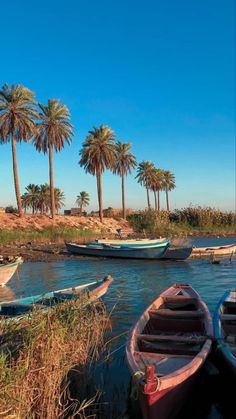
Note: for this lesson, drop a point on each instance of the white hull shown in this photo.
(7, 271)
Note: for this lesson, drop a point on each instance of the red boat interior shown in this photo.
(173, 335)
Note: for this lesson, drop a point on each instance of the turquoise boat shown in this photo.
(135, 244)
(115, 251)
(224, 322)
(89, 292)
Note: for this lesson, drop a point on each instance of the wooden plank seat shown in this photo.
(176, 314)
(226, 317)
(172, 338)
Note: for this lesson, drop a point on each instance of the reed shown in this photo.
(38, 359)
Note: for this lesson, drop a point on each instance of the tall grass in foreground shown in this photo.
(38, 355)
(55, 235)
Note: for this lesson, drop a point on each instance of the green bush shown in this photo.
(11, 210)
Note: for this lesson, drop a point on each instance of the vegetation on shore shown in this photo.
(54, 235)
(40, 356)
(188, 221)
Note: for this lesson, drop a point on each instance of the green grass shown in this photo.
(55, 235)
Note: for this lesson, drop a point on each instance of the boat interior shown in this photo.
(228, 321)
(173, 335)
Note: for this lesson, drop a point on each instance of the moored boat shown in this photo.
(136, 243)
(227, 250)
(225, 329)
(7, 269)
(166, 348)
(177, 253)
(87, 292)
(116, 251)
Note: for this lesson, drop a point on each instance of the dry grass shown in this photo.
(35, 368)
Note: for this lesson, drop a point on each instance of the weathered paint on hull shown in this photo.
(180, 253)
(153, 253)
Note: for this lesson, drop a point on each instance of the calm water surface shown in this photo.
(136, 284)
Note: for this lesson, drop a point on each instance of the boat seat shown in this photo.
(181, 299)
(176, 314)
(225, 317)
(173, 338)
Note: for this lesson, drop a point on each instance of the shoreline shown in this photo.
(49, 252)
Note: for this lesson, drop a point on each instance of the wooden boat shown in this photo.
(115, 251)
(138, 243)
(227, 250)
(167, 346)
(89, 292)
(177, 253)
(7, 270)
(225, 329)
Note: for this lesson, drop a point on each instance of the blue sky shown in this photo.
(160, 73)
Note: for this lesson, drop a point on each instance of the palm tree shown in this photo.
(98, 153)
(168, 185)
(30, 198)
(17, 123)
(44, 198)
(124, 163)
(51, 133)
(82, 200)
(144, 176)
(157, 185)
(59, 199)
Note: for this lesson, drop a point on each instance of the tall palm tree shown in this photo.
(52, 132)
(98, 153)
(124, 163)
(17, 123)
(168, 185)
(157, 185)
(144, 176)
(82, 200)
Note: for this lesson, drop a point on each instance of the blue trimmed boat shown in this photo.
(137, 244)
(225, 329)
(87, 292)
(116, 251)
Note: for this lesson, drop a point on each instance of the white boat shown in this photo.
(7, 270)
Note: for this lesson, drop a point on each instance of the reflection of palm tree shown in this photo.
(98, 153)
(51, 133)
(144, 176)
(82, 200)
(168, 185)
(124, 163)
(17, 123)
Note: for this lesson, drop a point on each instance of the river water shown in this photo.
(136, 284)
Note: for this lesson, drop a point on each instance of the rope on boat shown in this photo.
(138, 375)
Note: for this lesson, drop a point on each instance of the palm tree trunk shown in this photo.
(167, 201)
(16, 177)
(123, 194)
(99, 187)
(148, 199)
(53, 212)
(155, 198)
(159, 205)
(81, 208)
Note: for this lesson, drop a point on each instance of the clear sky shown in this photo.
(160, 73)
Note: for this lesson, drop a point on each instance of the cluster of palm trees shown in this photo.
(100, 152)
(23, 119)
(82, 200)
(37, 198)
(48, 128)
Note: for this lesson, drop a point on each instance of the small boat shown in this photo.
(7, 269)
(116, 251)
(225, 329)
(227, 250)
(141, 243)
(89, 292)
(166, 348)
(177, 253)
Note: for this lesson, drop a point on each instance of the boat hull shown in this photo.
(7, 271)
(178, 253)
(124, 253)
